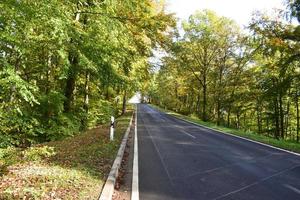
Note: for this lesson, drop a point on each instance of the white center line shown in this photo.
(135, 173)
(183, 131)
(292, 188)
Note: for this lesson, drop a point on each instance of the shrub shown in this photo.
(38, 153)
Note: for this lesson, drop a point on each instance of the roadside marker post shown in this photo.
(112, 128)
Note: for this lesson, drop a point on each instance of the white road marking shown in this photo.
(236, 136)
(292, 188)
(159, 154)
(183, 131)
(135, 174)
(257, 182)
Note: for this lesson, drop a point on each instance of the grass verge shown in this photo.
(74, 168)
(288, 145)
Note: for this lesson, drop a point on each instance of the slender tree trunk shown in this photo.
(124, 103)
(281, 117)
(49, 64)
(245, 122)
(228, 117)
(287, 119)
(297, 113)
(86, 92)
(219, 85)
(71, 80)
(268, 126)
(258, 112)
(204, 117)
(218, 111)
(198, 104)
(238, 120)
(191, 102)
(276, 116)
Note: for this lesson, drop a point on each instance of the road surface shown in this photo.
(179, 160)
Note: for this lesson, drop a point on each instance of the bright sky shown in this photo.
(238, 10)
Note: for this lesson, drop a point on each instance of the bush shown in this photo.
(61, 127)
(9, 156)
(100, 113)
(38, 153)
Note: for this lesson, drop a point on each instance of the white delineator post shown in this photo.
(112, 128)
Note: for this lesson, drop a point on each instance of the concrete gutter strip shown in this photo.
(109, 187)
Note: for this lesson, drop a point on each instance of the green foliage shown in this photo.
(38, 153)
(63, 63)
(249, 82)
(62, 126)
(51, 104)
(9, 156)
(10, 81)
(100, 113)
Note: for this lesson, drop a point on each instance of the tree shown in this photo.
(63, 64)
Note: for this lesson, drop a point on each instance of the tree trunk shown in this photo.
(204, 117)
(228, 117)
(281, 117)
(258, 112)
(71, 81)
(297, 112)
(276, 116)
(287, 119)
(86, 92)
(218, 111)
(238, 120)
(198, 104)
(124, 103)
(48, 71)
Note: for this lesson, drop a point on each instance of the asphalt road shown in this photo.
(178, 160)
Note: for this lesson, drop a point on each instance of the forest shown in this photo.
(66, 66)
(244, 79)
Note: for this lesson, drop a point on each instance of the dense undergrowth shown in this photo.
(47, 122)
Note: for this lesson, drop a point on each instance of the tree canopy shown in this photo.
(67, 65)
(244, 80)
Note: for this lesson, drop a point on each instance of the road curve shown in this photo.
(179, 160)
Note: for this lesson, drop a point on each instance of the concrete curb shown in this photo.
(232, 135)
(109, 187)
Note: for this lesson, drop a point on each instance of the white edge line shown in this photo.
(287, 151)
(109, 187)
(135, 171)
